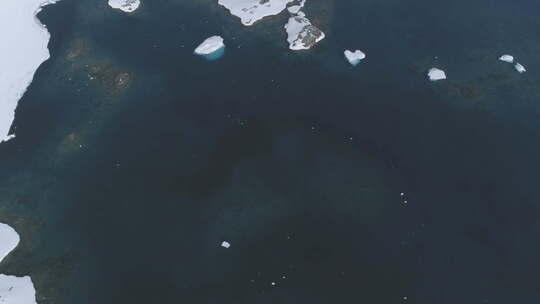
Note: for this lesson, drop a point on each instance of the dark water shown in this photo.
(123, 195)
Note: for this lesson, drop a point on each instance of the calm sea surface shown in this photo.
(124, 193)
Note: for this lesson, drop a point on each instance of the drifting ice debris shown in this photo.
(355, 57)
(520, 68)
(210, 45)
(435, 74)
(225, 244)
(507, 58)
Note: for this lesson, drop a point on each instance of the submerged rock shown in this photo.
(301, 34)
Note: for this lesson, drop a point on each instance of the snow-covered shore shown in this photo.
(13, 290)
(127, 6)
(301, 34)
(23, 49)
(251, 11)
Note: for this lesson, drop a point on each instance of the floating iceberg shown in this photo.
(9, 239)
(301, 34)
(211, 48)
(13, 290)
(435, 74)
(507, 58)
(23, 49)
(520, 68)
(355, 57)
(225, 244)
(251, 11)
(127, 6)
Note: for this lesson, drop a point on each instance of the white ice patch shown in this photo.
(22, 50)
(507, 58)
(435, 74)
(355, 57)
(520, 68)
(17, 290)
(9, 239)
(295, 9)
(251, 11)
(225, 244)
(127, 6)
(210, 45)
(301, 34)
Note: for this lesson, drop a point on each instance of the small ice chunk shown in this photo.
(435, 74)
(225, 244)
(507, 58)
(520, 68)
(127, 6)
(210, 45)
(355, 57)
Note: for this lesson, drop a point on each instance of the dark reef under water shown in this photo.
(134, 159)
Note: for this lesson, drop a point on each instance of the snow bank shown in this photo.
(355, 57)
(435, 74)
(9, 239)
(127, 6)
(507, 58)
(210, 45)
(23, 49)
(301, 34)
(251, 11)
(17, 290)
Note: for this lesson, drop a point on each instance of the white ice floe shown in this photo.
(210, 45)
(225, 244)
(127, 6)
(13, 290)
(9, 239)
(355, 57)
(435, 74)
(251, 11)
(520, 68)
(17, 290)
(507, 58)
(22, 50)
(301, 34)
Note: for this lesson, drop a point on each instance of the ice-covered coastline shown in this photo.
(13, 290)
(23, 49)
